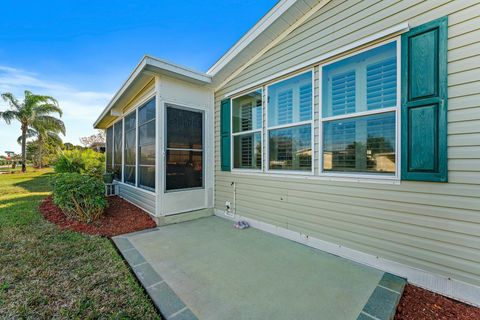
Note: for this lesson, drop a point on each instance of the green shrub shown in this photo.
(81, 161)
(81, 197)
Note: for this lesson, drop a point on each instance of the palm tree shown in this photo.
(45, 129)
(34, 112)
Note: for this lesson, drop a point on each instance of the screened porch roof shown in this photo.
(143, 73)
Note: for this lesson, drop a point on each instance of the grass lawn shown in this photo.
(45, 272)
(9, 169)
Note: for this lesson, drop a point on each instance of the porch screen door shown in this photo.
(184, 149)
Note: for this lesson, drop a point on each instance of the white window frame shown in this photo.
(293, 124)
(232, 134)
(396, 109)
(175, 105)
(320, 174)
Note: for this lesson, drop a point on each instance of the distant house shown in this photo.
(349, 126)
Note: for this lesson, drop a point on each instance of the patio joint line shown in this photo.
(153, 285)
(130, 249)
(369, 315)
(140, 264)
(177, 312)
(388, 289)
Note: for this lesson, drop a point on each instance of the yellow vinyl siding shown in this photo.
(431, 226)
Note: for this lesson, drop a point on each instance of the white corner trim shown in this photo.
(449, 287)
(270, 17)
(389, 32)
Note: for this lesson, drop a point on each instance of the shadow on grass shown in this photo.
(40, 183)
(20, 211)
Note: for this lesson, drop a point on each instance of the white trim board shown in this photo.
(395, 30)
(269, 18)
(154, 66)
(449, 287)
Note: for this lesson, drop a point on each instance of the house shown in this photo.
(350, 126)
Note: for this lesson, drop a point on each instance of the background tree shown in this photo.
(94, 139)
(44, 155)
(34, 110)
(68, 146)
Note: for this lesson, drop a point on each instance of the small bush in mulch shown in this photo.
(81, 197)
(420, 304)
(120, 217)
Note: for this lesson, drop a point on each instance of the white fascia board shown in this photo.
(138, 69)
(176, 70)
(157, 66)
(251, 35)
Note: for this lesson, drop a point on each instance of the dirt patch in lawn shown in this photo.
(420, 304)
(120, 217)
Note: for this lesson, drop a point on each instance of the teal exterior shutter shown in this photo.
(424, 102)
(225, 131)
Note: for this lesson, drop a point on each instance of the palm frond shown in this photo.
(9, 115)
(30, 134)
(37, 99)
(12, 101)
(48, 108)
(55, 138)
(49, 123)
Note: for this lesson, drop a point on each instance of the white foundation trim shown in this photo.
(455, 289)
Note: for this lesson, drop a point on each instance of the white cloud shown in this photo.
(80, 108)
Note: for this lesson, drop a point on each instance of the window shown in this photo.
(359, 102)
(117, 150)
(290, 107)
(130, 124)
(247, 124)
(146, 145)
(184, 148)
(109, 150)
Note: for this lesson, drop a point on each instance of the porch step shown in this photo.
(182, 217)
(384, 300)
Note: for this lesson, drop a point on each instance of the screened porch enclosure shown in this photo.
(131, 146)
(160, 148)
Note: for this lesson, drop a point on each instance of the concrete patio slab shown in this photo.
(206, 269)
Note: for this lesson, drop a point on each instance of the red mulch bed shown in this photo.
(420, 304)
(120, 217)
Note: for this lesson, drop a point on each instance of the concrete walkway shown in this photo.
(206, 269)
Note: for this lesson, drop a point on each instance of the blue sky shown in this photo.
(81, 52)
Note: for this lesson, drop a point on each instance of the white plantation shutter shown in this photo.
(246, 151)
(343, 151)
(343, 93)
(285, 107)
(285, 145)
(306, 102)
(246, 119)
(258, 114)
(382, 84)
